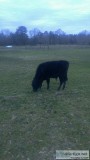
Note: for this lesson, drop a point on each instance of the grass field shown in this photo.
(34, 125)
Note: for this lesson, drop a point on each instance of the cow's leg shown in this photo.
(48, 81)
(60, 85)
(61, 82)
(64, 81)
(40, 86)
(64, 84)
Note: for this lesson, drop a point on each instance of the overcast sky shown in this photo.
(72, 16)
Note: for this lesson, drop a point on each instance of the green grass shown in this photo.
(34, 125)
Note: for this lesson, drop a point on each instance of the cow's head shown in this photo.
(36, 84)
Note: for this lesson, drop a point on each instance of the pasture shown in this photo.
(34, 125)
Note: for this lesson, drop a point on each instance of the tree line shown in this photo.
(36, 37)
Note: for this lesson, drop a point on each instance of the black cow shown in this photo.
(52, 69)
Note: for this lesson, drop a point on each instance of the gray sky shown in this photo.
(72, 16)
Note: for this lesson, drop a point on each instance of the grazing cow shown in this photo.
(51, 69)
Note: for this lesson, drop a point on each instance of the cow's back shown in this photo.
(52, 69)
